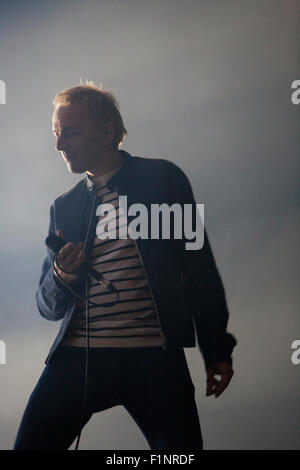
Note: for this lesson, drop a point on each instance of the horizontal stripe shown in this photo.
(115, 259)
(122, 269)
(119, 327)
(133, 289)
(104, 242)
(107, 192)
(115, 344)
(120, 302)
(122, 280)
(123, 312)
(113, 229)
(115, 209)
(116, 336)
(100, 187)
(112, 251)
(104, 220)
(109, 200)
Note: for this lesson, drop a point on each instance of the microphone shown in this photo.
(55, 243)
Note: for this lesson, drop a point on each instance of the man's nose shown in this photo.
(60, 143)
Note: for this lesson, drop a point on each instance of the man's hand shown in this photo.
(70, 257)
(216, 387)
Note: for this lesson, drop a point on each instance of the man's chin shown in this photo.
(74, 169)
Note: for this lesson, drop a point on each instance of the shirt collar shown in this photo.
(113, 175)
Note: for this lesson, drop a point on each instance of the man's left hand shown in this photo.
(216, 387)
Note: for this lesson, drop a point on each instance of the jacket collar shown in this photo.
(124, 172)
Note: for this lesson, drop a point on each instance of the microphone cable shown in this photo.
(106, 284)
(101, 280)
(87, 346)
(55, 243)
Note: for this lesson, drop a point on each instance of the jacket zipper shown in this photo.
(87, 234)
(90, 220)
(156, 309)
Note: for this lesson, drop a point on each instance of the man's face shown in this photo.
(79, 139)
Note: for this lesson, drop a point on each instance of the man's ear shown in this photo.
(109, 130)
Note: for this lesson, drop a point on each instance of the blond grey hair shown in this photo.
(102, 105)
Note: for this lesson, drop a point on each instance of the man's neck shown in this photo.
(110, 161)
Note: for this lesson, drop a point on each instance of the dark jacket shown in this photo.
(185, 284)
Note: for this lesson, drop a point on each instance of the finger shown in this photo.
(68, 248)
(210, 386)
(210, 392)
(81, 258)
(72, 260)
(72, 256)
(65, 251)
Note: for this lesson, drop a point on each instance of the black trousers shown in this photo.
(154, 385)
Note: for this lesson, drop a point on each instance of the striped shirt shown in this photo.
(132, 322)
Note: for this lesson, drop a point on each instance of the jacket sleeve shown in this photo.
(52, 296)
(203, 288)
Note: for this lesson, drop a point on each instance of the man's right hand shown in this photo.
(70, 257)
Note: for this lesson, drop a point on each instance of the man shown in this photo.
(121, 340)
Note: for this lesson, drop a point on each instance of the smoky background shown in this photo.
(207, 85)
